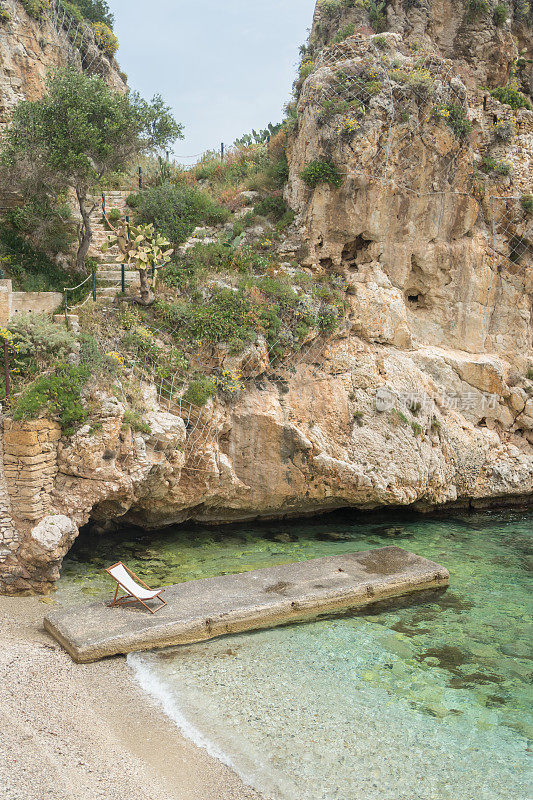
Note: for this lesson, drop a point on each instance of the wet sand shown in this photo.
(85, 732)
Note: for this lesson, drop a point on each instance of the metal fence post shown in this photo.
(123, 277)
(66, 307)
(140, 178)
(94, 286)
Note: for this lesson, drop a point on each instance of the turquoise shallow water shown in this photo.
(419, 701)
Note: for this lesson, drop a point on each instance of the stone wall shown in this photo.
(33, 541)
(12, 303)
(9, 535)
(30, 466)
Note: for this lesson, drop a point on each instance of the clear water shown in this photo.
(420, 701)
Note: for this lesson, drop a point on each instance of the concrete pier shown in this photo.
(203, 609)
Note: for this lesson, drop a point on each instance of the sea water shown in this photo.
(426, 698)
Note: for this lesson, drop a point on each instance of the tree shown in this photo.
(76, 135)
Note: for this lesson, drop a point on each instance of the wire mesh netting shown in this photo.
(511, 232)
(76, 34)
(380, 105)
(298, 343)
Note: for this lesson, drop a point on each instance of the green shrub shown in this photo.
(490, 164)
(286, 220)
(344, 33)
(32, 270)
(278, 172)
(94, 11)
(455, 117)
(477, 8)
(330, 7)
(511, 97)
(526, 202)
(59, 395)
(377, 15)
(114, 215)
(417, 429)
(132, 419)
(176, 210)
(226, 315)
(105, 38)
(36, 8)
(317, 172)
(5, 16)
(133, 199)
(272, 207)
(38, 340)
(501, 12)
(529, 374)
(48, 227)
(503, 168)
(380, 42)
(199, 391)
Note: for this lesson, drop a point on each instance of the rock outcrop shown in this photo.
(424, 397)
(30, 48)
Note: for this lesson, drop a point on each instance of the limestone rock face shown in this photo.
(422, 397)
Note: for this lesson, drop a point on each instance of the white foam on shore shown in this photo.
(167, 699)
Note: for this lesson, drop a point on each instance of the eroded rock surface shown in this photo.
(424, 395)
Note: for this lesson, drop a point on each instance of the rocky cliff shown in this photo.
(424, 396)
(30, 47)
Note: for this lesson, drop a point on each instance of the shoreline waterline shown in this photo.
(276, 704)
(89, 732)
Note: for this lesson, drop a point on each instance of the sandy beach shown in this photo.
(85, 732)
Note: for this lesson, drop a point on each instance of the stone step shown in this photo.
(112, 275)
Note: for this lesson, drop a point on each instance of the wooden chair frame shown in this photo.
(123, 601)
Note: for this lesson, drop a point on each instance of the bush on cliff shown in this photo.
(36, 8)
(105, 38)
(511, 96)
(39, 342)
(501, 12)
(176, 209)
(317, 172)
(95, 11)
(30, 269)
(59, 395)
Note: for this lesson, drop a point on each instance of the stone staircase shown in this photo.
(108, 272)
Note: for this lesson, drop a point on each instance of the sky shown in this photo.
(223, 66)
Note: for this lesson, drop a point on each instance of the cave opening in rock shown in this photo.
(356, 252)
(415, 290)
